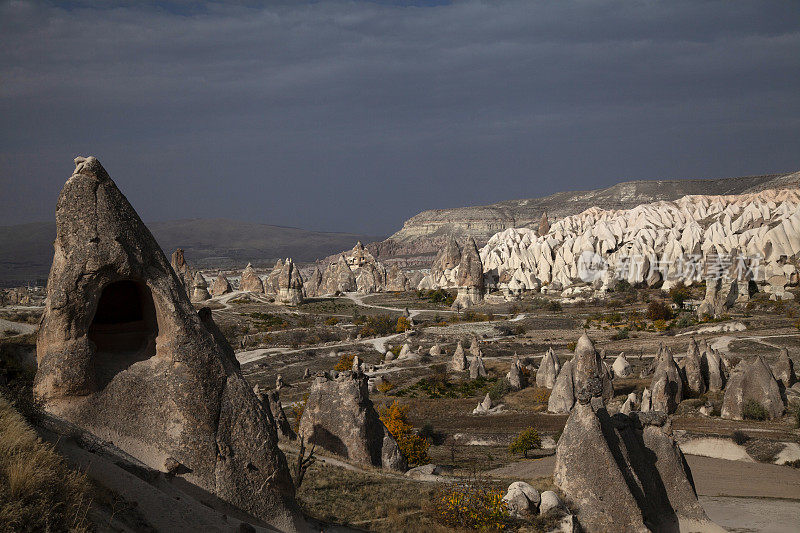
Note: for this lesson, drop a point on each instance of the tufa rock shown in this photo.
(667, 385)
(548, 370)
(692, 370)
(340, 417)
(290, 284)
(470, 276)
(575, 375)
(625, 474)
(621, 366)
(752, 382)
(221, 286)
(459, 361)
(522, 500)
(476, 368)
(784, 370)
(250, 281)
(123, 354)
(200, 290)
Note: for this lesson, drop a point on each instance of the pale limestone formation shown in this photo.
(752, 382)
(250, 281)
(575, 374)
(290, 284)
(221, 286)
(548, 371)
(667, 385)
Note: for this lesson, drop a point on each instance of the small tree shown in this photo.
(527, 440)
(414, 447)
(658, 311)
(345, 362)
(403, 324)
(303, 462)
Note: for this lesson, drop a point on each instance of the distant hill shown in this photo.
(26, 250)
(422, 235)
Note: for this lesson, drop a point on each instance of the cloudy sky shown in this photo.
(354, 115)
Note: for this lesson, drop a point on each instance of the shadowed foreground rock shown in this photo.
(340, 417)
(122, 353)
(626, 474)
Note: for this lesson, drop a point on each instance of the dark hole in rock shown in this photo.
(124, 328)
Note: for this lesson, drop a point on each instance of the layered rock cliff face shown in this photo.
(424, 234)
(661, 241)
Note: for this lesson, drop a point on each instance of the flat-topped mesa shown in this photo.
(123, 354)
(250, 281)
(470, 276)
(626, 473)
(585, 367)
(290, 284)
(221, 286)
(340, 418)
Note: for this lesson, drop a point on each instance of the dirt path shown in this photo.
(19, 328)
(248, 356)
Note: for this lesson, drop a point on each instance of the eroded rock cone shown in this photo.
(272, 401)
(123, 354)
(271, 283)
(340, 418)
(474, 348)
(621, 366)
(752, 382)
(667, 385)
(575, 374)
(784, 370)
(548, 370)
(711, 367)
(476, 368)
(470, 276)
(692, 369)
(221, 286)
(250, 280)
(435, 350)
(459, 361)
(311, 286)
(185, 275)
(290, 284)
(627, 474)
(200, 292)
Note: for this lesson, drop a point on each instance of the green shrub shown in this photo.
(752, 410)
(620, 334)
(527, 440)
(498, 389)
(739, 437)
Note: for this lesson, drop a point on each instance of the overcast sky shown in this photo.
(355, 115)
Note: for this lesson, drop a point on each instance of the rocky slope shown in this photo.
(423, 234)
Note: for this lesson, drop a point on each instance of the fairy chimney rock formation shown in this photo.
(340, 418)
(548, 370)
(123, 354)
(470, 276)
(200, 292)
(626, 473)
(752, 382)
(576, 374)
(290, 284)
(221, 286)
(250, 280)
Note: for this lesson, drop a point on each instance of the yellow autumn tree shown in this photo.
(403, 324)
(414, 447)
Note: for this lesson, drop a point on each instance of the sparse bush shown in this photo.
(471, 505)
(793, 464)
(38, 492)
(345, 362)
(414, 447)
(541, 395)
(620, 334)
(527, 440)
(752, 410)
(499, 389)
(331, 321)
(378, 325)
(658, 311)
(571, 346)
(385, 386)
(403, 324)
(739, 437)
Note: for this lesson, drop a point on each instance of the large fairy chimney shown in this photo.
(123, 354)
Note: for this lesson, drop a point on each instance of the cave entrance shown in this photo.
(124, 328)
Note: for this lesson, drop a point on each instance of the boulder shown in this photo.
(522, 500)
(625, 473)
(753, 381)
(405, 351)
(548, 370)
(667, 385)
(123, 354)
(549, 500)
(435, 350)
(621, 366)
(646, 400)
(221, 286)
(692, 370)
(340, 418)
(250, 281)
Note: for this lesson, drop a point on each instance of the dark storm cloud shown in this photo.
(355, 115)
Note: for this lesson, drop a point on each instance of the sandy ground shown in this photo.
(18, 327)
(719, 448)
(745, 515)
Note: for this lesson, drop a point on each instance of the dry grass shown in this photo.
(38, 492)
